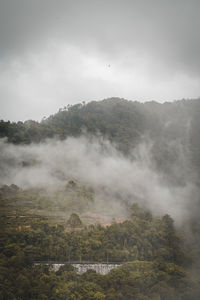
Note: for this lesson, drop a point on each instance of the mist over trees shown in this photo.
(113, 179)
(125, 123)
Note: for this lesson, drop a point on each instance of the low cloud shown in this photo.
(116, 179)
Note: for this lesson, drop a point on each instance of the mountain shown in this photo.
(171, 127)
(102, 182)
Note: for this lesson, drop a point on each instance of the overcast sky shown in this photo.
(59, 52)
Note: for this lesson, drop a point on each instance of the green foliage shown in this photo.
(74, 221)
(33, 222)
(170, 127)
(150, 248)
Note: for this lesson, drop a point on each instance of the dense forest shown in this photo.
(109, 203)
(155, 260)
(124, 123)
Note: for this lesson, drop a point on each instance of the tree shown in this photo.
(74, 221)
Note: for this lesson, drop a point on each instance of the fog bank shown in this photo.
(116, 179)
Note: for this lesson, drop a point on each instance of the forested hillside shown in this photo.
(125, 123)
(113, 180)
(120, 120)
(154, 260)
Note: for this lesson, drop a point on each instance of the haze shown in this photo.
(54, 53)
(116, 179)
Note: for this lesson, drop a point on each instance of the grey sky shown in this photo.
(53, 53)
